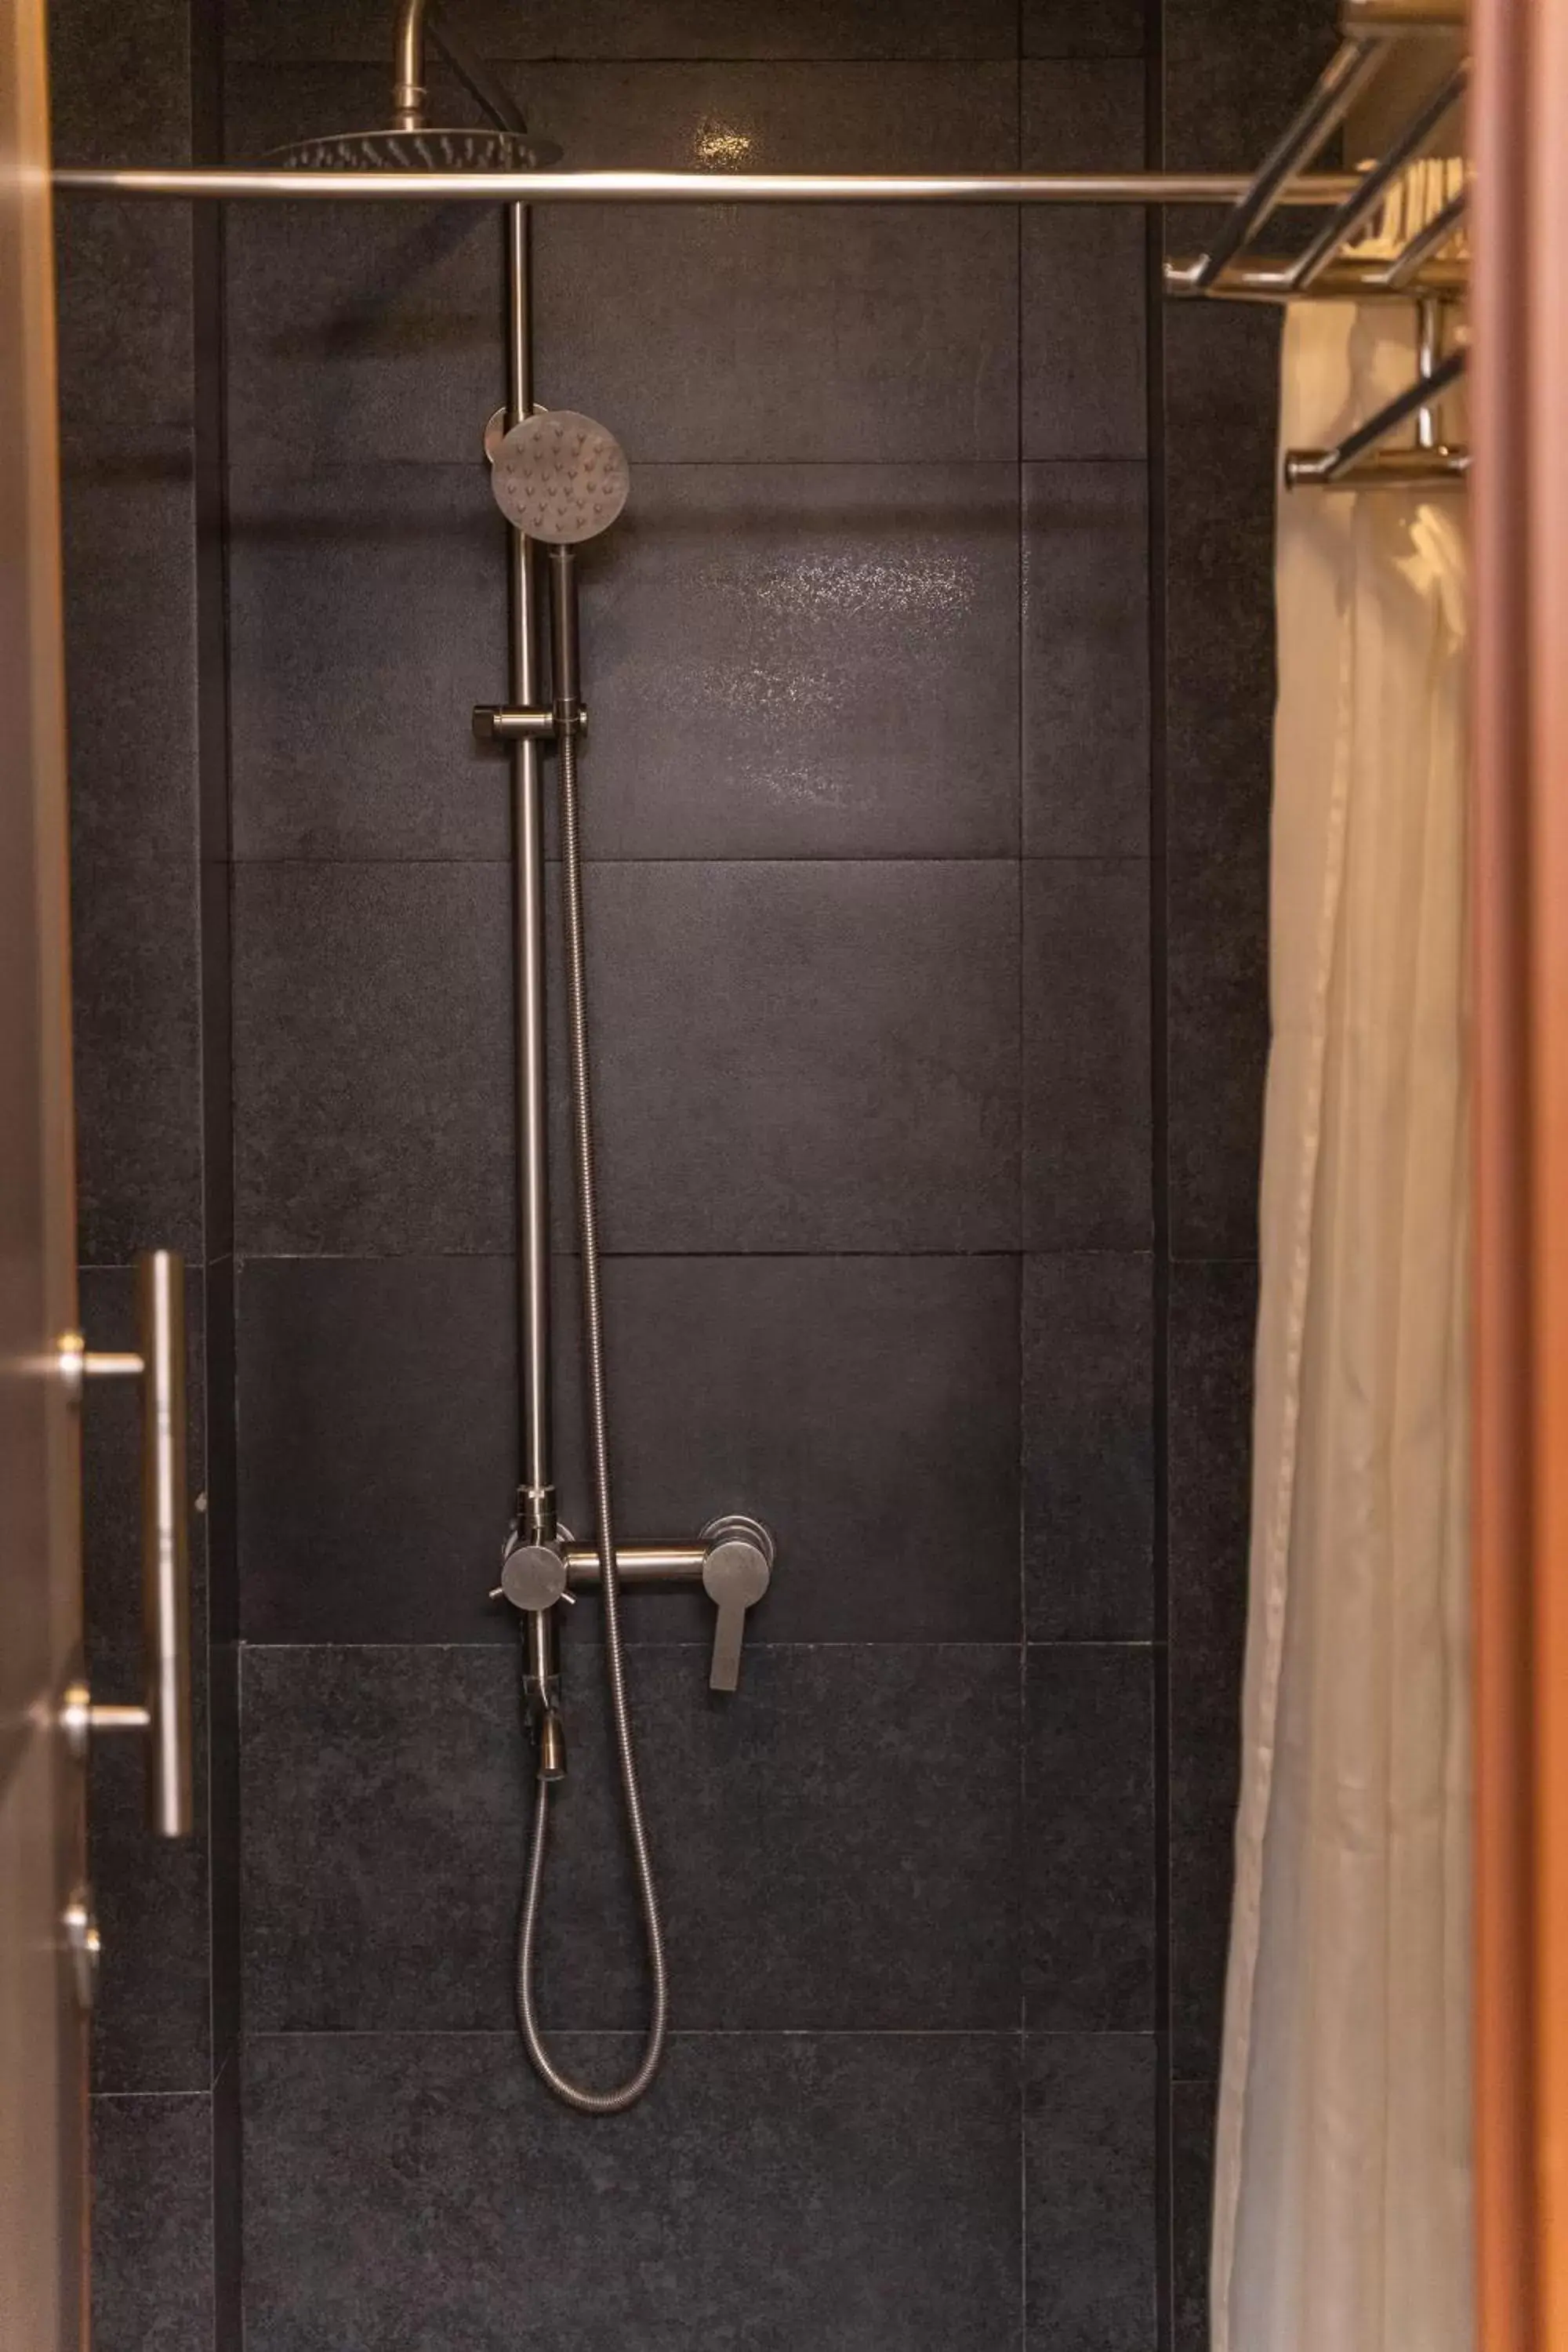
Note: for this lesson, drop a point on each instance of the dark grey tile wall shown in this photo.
(154, 2275)
(1090, 2221)
(1232, 78)
(929, 961)
(138, 313)
(1192, 2199)
(868, 817)
(857, 2189)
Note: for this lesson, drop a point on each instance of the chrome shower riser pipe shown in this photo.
(536, 1499)
(408, 91)
(536, 1496)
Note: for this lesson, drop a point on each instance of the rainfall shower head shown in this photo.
(410, 145)
(417, 151)
(561, 477)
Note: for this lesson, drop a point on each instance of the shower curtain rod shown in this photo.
(699, 187)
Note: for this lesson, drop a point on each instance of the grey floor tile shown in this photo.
(792, 661)
(129, 547)
(136, 1056)
(837, 1844)
(367, 617)
(1086, 660)
(152, 2224)
(866, 1408)
(1089, 2171)
(1088, 1932)
(1192, 2196)
(771, 2191)
(1084, 295)
(799, 333)
(1089, 1448)
(1217, 960)
(1086, 1173)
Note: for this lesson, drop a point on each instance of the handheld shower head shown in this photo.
(561, 477)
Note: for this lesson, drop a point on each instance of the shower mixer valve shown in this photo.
(732, 1559)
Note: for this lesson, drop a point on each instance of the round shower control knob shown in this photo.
(533, 1575)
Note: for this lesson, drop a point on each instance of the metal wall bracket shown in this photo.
(494, 723)
(1359, 462)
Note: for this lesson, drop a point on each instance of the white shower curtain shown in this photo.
(1341, 2197)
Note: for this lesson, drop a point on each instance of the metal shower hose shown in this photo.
(589, 2102)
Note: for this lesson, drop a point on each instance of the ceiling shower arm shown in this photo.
(408, 90)
(416, 19)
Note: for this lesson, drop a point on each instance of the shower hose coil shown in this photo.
(576, 2095)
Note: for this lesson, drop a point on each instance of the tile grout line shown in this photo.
(1022, 1165)
(1163, 2185)
(502, 1645)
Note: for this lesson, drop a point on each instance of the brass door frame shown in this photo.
(1519, 137)
(43, 2068)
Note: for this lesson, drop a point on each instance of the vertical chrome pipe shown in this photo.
(408, 89)
(536, 1499)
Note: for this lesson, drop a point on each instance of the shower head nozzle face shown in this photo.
(561, 477)
(417, 151)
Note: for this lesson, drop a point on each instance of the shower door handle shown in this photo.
(165, 1715)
